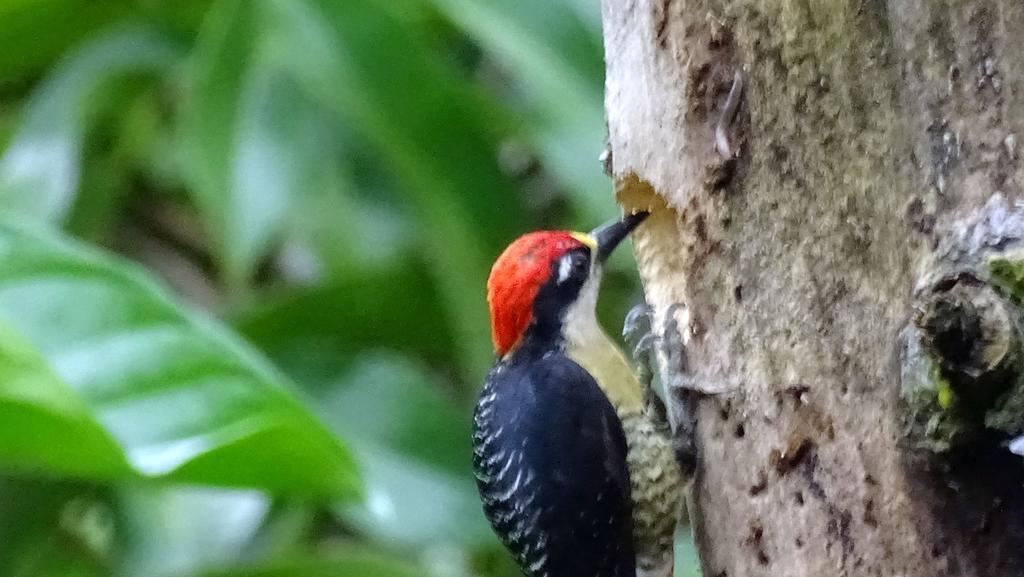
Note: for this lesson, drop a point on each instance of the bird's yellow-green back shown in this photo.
(655, 475)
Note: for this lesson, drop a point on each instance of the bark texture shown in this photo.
(869, 137)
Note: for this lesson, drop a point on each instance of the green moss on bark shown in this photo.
(1007, 273)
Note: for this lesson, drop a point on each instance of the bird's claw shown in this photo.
(636, 330)
(638, 320)
(673, 346)
(645, 343)
(680, 388)
(644, 346)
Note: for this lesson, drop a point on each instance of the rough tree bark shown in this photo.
(875, 139)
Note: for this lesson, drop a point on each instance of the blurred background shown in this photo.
(243, 248)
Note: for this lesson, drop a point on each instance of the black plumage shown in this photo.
(550, 459)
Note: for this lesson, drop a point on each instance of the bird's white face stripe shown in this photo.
(564, 268)
(580, 322)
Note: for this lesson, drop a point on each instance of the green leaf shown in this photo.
(281, 146)
(412, 504)
(39, 171)
(136, 128)
(397, 403)
(436, 133)
(185, 399)
(43, 424)
(345, 316)
(413, 445)
(347, 562)
(235, 140)
(24, 51)
(554, 53)
(258, 150)
(218, 74)
(54, 528)
(411, 441)
(181, 530)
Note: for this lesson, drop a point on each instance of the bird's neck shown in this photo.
(586, 343)
(581, 337)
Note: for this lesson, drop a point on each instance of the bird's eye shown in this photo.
(573, 264)
(581, 262)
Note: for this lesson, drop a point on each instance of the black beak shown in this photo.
(608, 236)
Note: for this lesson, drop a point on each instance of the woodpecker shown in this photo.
(575, 475)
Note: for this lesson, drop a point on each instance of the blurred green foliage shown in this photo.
(243, 245)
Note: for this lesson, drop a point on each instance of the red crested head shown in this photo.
(516, 278)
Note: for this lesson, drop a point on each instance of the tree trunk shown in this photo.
(875, 167)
